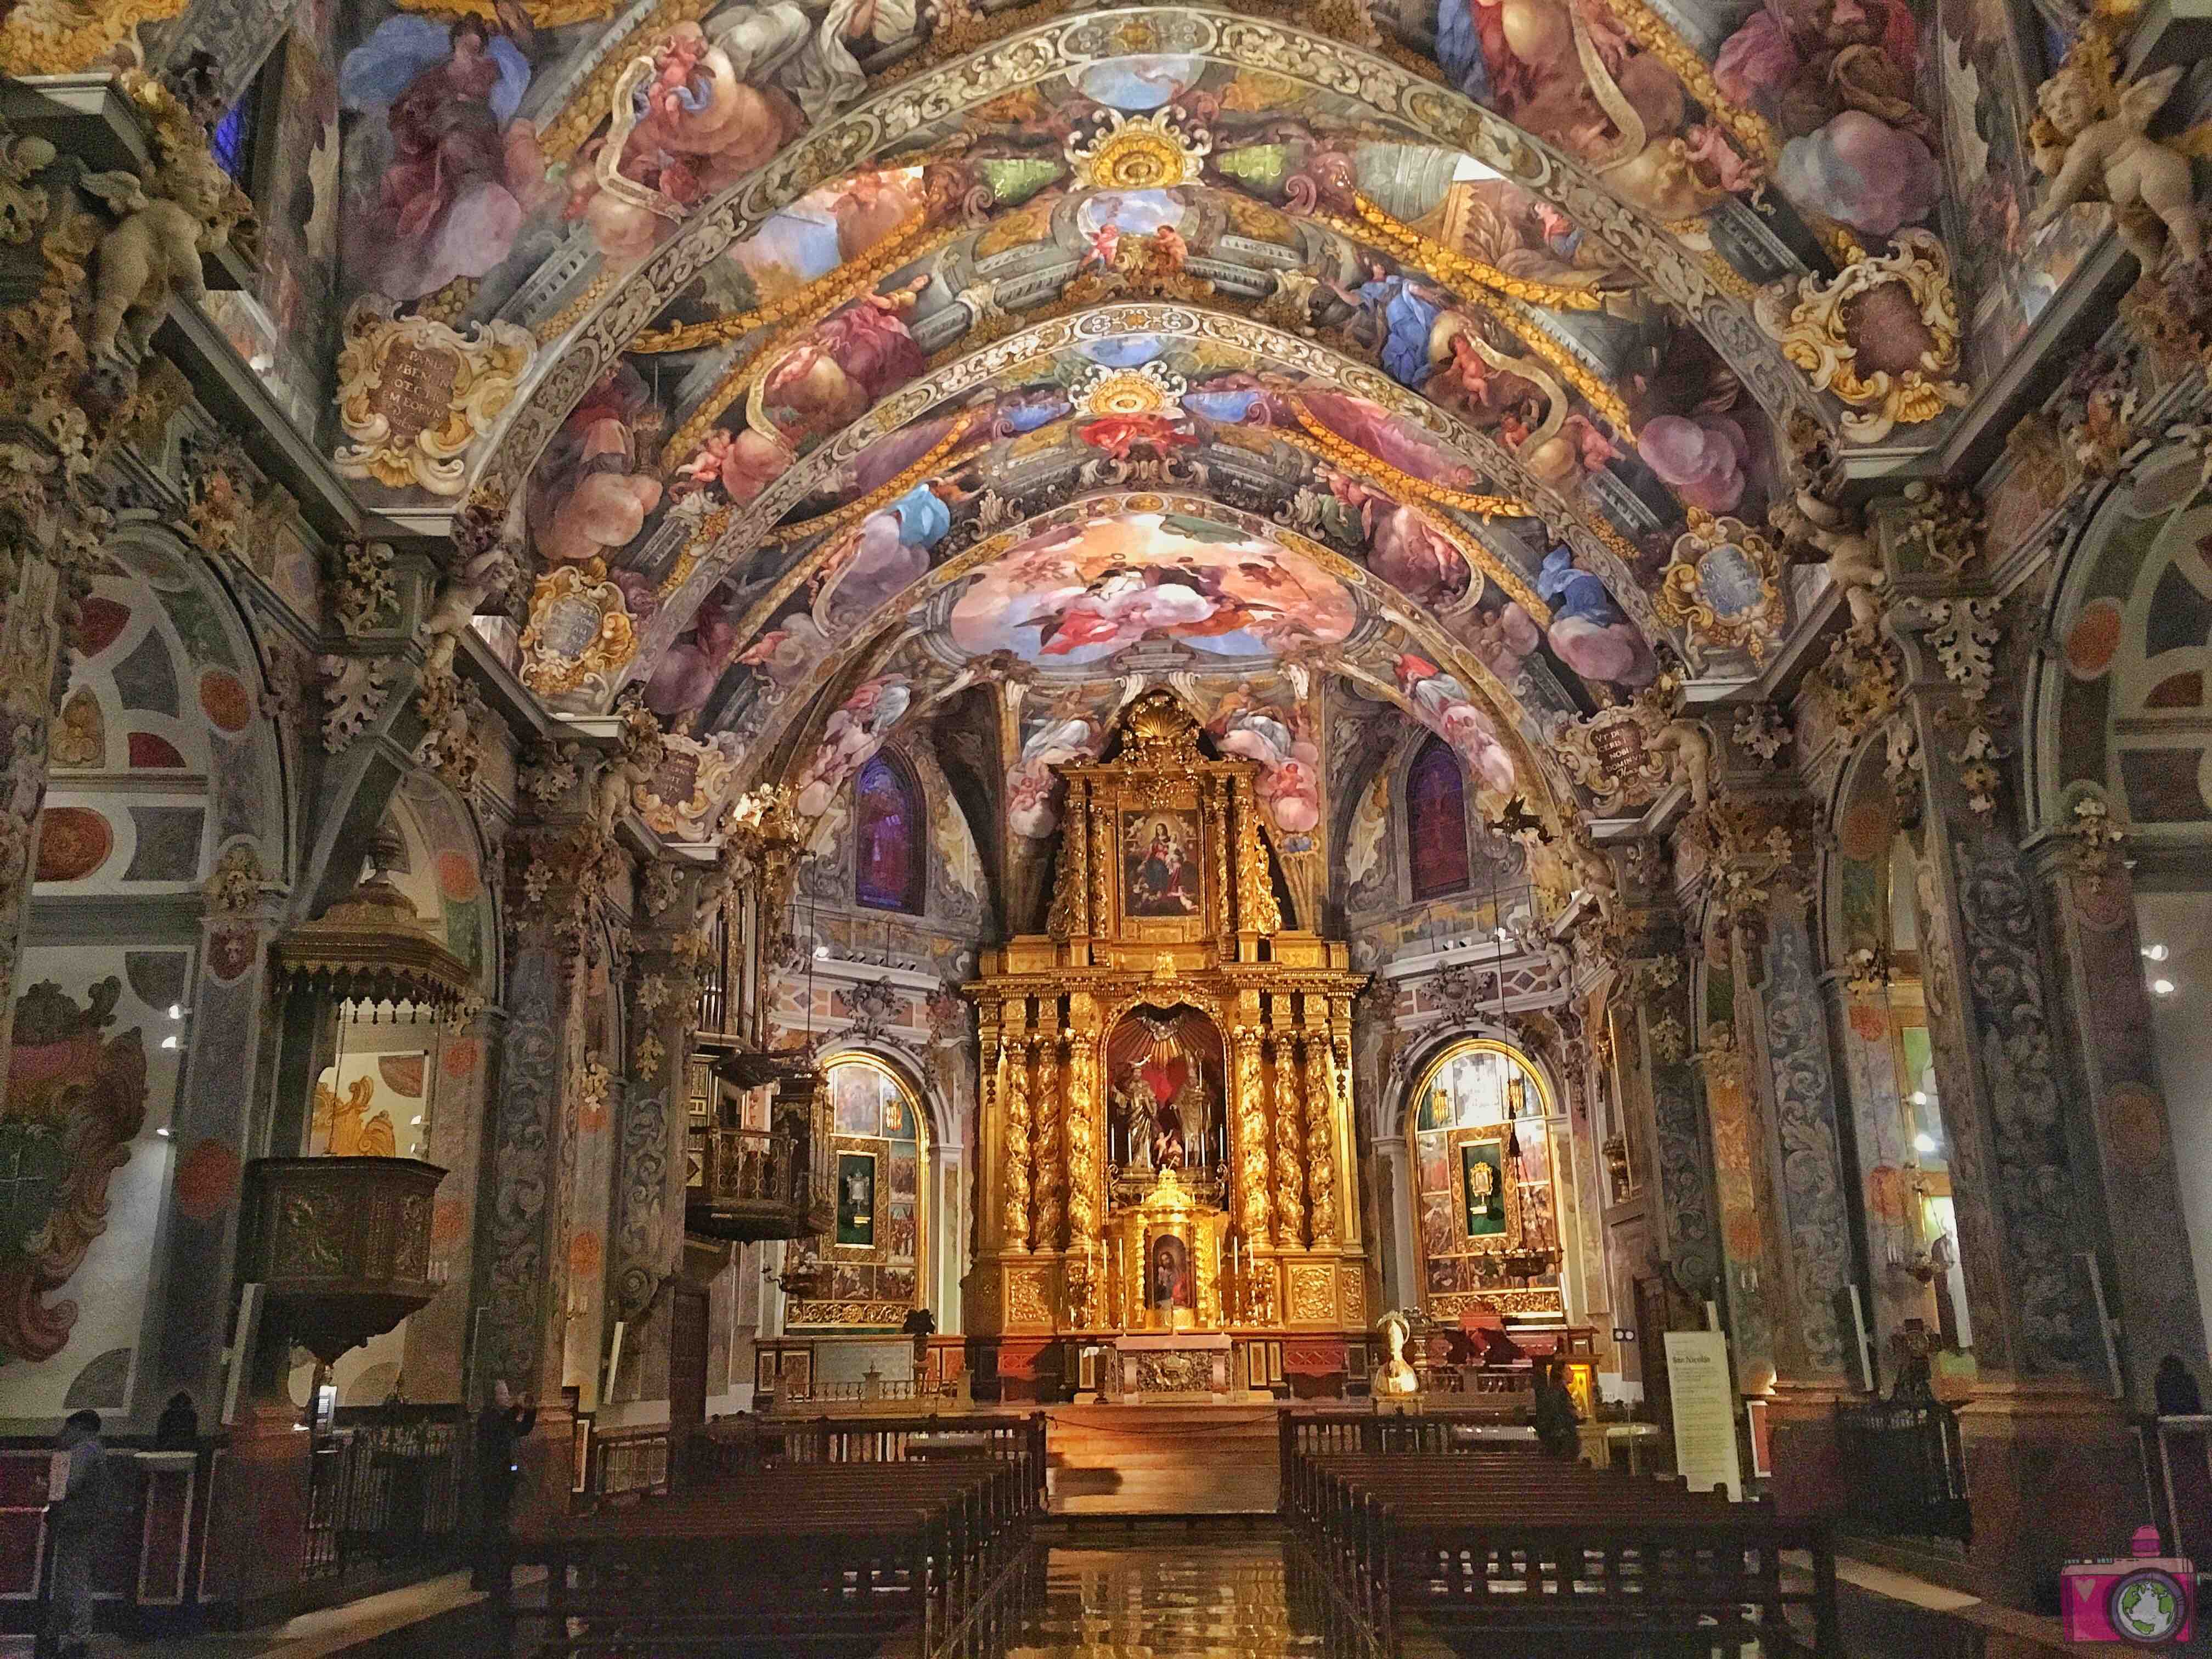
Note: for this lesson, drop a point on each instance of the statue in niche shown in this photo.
(1140, 1122)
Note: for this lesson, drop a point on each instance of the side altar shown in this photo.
(1166, 1141)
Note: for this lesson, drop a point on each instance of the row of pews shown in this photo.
(836, 1537)
(1414, 1526)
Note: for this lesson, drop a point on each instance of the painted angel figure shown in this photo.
(462, 172)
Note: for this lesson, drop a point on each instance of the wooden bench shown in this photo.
(781, 1559)
(1513, 1546)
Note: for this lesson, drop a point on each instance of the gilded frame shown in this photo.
(1508, 1240)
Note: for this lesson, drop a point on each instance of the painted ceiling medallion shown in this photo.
(1149, 389)
(1139, 152)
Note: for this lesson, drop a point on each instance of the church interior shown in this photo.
(1324, 827)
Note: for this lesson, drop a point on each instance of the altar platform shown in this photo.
(1163, 1459)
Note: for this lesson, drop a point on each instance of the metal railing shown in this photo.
(385, 1487)
(1904, 1467)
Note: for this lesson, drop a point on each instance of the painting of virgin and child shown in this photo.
(1159, 865)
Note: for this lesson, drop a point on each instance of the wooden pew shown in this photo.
(781, 1559)
(1517, 1546)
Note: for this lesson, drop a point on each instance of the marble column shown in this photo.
(651, 1134)
(2041, 1422)
(2125, 1137)
(33, 662)
(435, 1360)
(527, 1253)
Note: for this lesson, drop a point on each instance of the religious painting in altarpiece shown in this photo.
(865, 1273)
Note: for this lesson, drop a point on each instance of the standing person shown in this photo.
(180, 1427)
(74, 1522)
(500, 1426)
(1556, 1421)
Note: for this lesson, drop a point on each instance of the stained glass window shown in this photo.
(889, 865)
(1435, 821)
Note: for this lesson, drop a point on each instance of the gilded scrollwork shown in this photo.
(1882, 336)
(1723, 585)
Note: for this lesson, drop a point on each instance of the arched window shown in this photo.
(1435, 821)
(889, 865)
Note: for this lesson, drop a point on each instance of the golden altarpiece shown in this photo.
(1166, 1141)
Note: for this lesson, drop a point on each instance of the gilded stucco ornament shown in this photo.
(684, 799)
(1149, 389)
(1610, 754)
(2095, 844)
(413, 394)
(1723, 586)
(579, 634)
(1881, 336)
(1139, 152)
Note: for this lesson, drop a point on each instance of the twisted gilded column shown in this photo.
(1045, 1103)
(1105, 860)
(1082, 1125)
(1322, 1118)
(1289, 1138)
(1015, 1222)
(1251, 1138)
(1216, 802)
(1071, 897)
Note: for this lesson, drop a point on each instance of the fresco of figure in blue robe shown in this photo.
(1591, 634)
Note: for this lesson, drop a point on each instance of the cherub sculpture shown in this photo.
(2116, 158)
(1852, 562)
(155, 250)
(460, 597)
(1689, 750)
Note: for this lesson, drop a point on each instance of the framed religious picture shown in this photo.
(856, 1200)
(1482, 1187)
(1160, 864)
(1487, 1198)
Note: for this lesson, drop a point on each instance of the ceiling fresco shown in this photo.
(1528, 312)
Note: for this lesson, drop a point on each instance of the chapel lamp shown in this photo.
(340, 1241)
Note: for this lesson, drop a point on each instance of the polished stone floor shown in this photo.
(1224, 1600)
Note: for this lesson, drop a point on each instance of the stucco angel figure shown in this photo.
(156, 250)
(1689, 750)
(1853, 564)
(460, 597)
(2116, 159)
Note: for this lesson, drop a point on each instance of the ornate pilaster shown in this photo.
(1339, 1054)
(1103, 864)
(1213, 802)
(1015, 1222)
(1252, 1196)
(1257, 913)
(990, 1090)
(1083, 1174)
(2025, 1193)
(1321, 1125)
(1654, 1046)
(1282, 1047)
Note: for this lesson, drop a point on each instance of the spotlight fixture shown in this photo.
(2155, 953)
(1923, 1142)
(1920, 1096)
(2162, 987)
